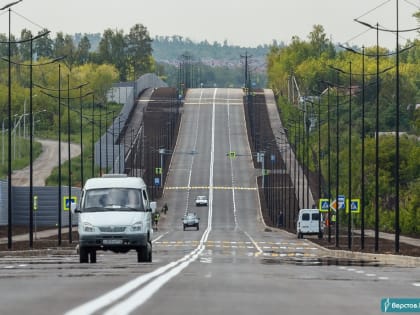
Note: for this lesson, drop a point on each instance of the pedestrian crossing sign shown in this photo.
(354, 206)
(324, 205)
(67, 201)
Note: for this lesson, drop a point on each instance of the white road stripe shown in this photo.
(158, 277)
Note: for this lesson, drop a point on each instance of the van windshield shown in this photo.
(112, 199)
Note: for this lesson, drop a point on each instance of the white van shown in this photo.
(308, 223)
(115, 214)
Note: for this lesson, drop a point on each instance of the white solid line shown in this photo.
(159, 237)
(142, 295)
(260, 251)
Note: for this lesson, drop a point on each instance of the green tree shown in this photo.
(319, 41)
(112, 51)
(139, 50)
(83, 50)
(43, 46)
(59, 45)
(25, 48)
(69, 50)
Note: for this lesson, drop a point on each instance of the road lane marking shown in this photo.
(260, 251)
(142, 295)
(231, 165)
(210, 187)
(156, 278)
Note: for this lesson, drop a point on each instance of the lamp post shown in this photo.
(9, 138)
(106, 140)
(113, 142)
(32, 126)
(69, 157)
(59, 156)
(329, 162)
(397, 32)
(337, 170)
(93, 135)
(81, 131)
(59, 150)
(349, 163)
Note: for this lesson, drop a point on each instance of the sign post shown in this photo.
(35, 211)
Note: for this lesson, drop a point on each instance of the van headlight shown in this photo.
(87, 227)
(137, 227)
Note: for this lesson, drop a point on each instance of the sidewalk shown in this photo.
(389, 236)
(37, 235)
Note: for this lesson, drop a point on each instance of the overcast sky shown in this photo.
(240, 22)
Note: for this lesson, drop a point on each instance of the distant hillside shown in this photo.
(172, 47)
(224, 59)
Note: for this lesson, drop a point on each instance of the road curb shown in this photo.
(38, 252)
(387, 259)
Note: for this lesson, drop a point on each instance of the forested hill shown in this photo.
(166, 48)
(220, 64)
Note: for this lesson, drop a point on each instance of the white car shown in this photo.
(201, 201)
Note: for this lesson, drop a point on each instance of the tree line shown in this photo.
(326, 75)
(130, 53)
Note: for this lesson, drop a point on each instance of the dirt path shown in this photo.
(45, 163)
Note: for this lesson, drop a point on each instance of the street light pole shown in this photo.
(329, 163)
(349, 225)
(100, 142)
(337, 170)
(113, 142)
(81, 133)
(69, 157)
(9, 141)
(93, 136)
(59, 156)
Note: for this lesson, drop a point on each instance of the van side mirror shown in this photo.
(153, 206)
(73, 208)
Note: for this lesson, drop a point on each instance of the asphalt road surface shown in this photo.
(231, 265)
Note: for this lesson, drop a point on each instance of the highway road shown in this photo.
(232, 265)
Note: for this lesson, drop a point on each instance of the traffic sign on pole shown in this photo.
(341, 202)
(354, 206)
(35, 202)
(157, 181)
(67, 201)
(324, 205)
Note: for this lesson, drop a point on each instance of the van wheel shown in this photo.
(149, 250)
(143, 254)
(320, 235)
(198, 227)
(300, 235)
(93, 256)
(83, 255)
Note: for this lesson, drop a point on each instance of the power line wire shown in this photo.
(377, 7)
